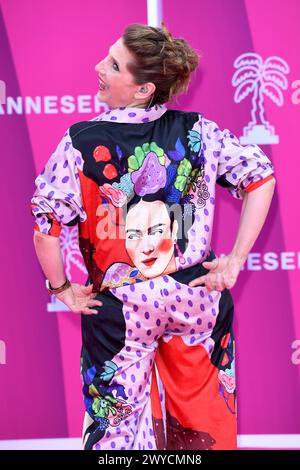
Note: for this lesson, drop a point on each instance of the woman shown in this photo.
(157, 359)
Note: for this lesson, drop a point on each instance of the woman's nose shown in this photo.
(100, 66)
(148, 250)
(97, 67)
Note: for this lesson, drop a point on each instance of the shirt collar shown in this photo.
(134, 115)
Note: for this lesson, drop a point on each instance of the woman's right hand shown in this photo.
(79, 298)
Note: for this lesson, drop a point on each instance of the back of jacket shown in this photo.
(141, 185)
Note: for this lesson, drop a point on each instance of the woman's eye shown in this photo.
(157, 232)
(115, 66)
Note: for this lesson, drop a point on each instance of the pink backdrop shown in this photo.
(52, 54)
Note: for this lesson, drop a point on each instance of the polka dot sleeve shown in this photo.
(57, 199)
(238, 165)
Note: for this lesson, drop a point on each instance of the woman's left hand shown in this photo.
(223, 273)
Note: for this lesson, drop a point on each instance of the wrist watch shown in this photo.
(57, 290)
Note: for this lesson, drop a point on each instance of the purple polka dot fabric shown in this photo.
(133, 115)
(155, 308)
(58, 190)
(180, 311)
(238, 165)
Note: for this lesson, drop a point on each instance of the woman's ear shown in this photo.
(175, 230)
(145, 91)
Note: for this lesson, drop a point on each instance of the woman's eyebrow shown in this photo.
(148, 230)
(134, 230)
(154, 227)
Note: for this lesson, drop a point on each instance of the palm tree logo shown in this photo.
(260, 78)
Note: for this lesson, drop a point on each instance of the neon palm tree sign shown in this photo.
(261, 78)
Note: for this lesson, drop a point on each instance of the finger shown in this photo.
(88, 288)
(74, 310)
(210, 283)
(89, 311)
(197, 281)
(211, 264)
(229, 282)
(85, 311)
(94, 303)
(219, 285)
(229, 285)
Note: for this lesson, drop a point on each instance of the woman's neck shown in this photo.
(136, 105)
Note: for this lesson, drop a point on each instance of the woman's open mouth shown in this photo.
(102, 85)
(149, 261)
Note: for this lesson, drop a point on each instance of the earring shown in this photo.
(182, 259)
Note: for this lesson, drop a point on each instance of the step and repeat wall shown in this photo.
(249, 82)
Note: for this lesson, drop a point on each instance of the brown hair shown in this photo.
(161, 59)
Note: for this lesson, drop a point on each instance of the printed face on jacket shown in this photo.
(150, 238)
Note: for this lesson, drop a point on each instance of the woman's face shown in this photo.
(149, 241)
(116, 83)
